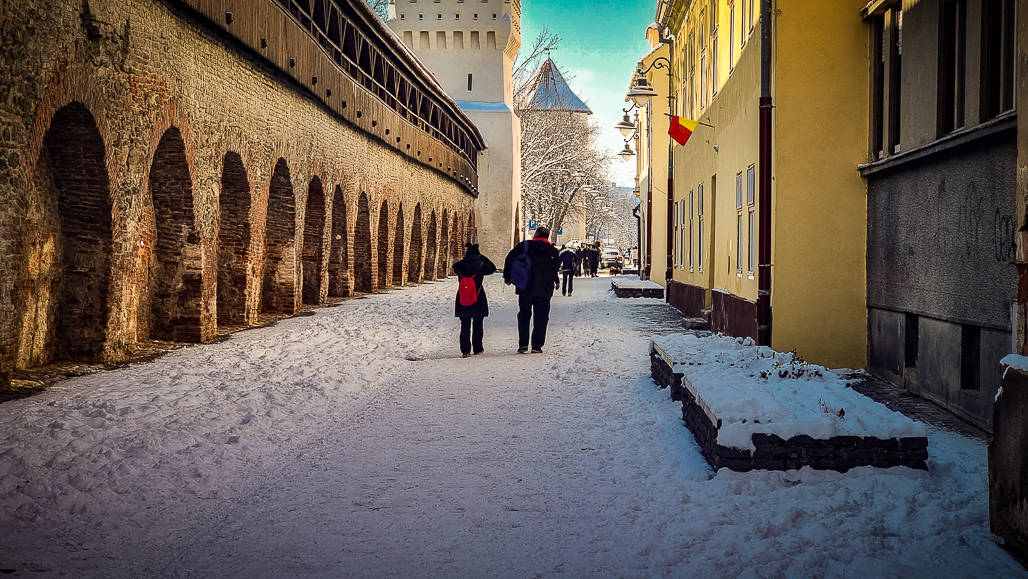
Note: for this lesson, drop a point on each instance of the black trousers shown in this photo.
(471, 335)
(540, 307)
(569, 282)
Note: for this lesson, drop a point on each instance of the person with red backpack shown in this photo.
(471, 305)
(532, 267)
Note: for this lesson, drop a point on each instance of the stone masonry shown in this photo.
(157, 179)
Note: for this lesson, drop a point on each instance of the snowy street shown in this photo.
(357, 442)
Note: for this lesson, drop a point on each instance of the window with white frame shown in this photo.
(751, 254)
(691, 250)
(699, 214)
(677, 251)
(738, 243)
(738, 191)
(751, 184)
(731, 36)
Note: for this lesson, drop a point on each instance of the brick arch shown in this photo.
(279, 287)
(233, 240)
(431, 247)
(443, 252)
(175, 273)
(417, 244)
(399, 247)
(338, 256)
(362, 269)
(63, 308)
(382, 257)
(314, 243)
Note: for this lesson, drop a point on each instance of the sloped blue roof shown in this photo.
(553, 93)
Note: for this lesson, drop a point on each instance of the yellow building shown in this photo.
(819, 125)
(651, 145)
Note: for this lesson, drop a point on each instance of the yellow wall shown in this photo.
(820, 136)
(820, 221)
(653, 142)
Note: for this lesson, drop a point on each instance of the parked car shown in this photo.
(611, 257)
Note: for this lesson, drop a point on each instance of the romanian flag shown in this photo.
(681, 129)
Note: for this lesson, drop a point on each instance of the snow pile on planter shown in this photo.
(636, 288)
(752, 407)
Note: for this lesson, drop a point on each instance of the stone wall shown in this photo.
(156, 179)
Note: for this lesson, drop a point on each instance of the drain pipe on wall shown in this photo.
(764, 317)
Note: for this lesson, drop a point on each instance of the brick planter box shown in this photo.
(839, 453)
(624, 288)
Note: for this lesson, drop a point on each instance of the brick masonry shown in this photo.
(157, 180)
(772, 452)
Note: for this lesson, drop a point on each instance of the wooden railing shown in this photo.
(343, 54)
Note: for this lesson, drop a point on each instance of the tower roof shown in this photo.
(552, 92)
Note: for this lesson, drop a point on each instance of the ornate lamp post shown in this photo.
(641, 94)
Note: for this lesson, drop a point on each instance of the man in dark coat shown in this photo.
(476, 266)
(536, 297)
(568, 264)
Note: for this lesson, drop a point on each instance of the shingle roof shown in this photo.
(553, 93)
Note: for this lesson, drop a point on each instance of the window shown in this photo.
(738, 191)
(911, 337)
(678, 250)
(470, 84)
(750, 184)
(713, 64)
(742, 25)
(997, 94)
(896, 63)
(699, 215)
(970, 357)
(731, 37)
(691, 250)
(750, 14)
(877, 86)
(703, 81)
(751, 253)
(738, 243)
(952, 40)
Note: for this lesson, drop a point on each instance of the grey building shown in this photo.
(941, 173)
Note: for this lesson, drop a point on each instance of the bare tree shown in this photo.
(561, 164)
(381, 7)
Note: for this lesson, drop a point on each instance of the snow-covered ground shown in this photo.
(753, 389)
(357, 442)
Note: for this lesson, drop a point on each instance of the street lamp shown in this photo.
(626, 153)
(626, 126)
(641, 94)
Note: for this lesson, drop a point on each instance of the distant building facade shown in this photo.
(471, 47)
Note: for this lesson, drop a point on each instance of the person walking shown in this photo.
(594, 259)
(568, 265)
(534, 299)
(471, 304)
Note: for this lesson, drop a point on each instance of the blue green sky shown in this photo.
(601, 41)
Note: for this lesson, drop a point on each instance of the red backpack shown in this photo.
(467, 292)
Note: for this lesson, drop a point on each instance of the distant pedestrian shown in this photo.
(534, 299)
(471, 304)
(594, 259)
(568, 265)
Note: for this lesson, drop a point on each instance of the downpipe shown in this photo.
(764, 314)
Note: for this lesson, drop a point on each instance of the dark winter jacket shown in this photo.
(545, 267)
(473, 265)
(568, 260)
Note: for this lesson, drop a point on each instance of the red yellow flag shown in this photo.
(681, 129)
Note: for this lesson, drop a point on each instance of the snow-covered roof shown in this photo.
(553, 93)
